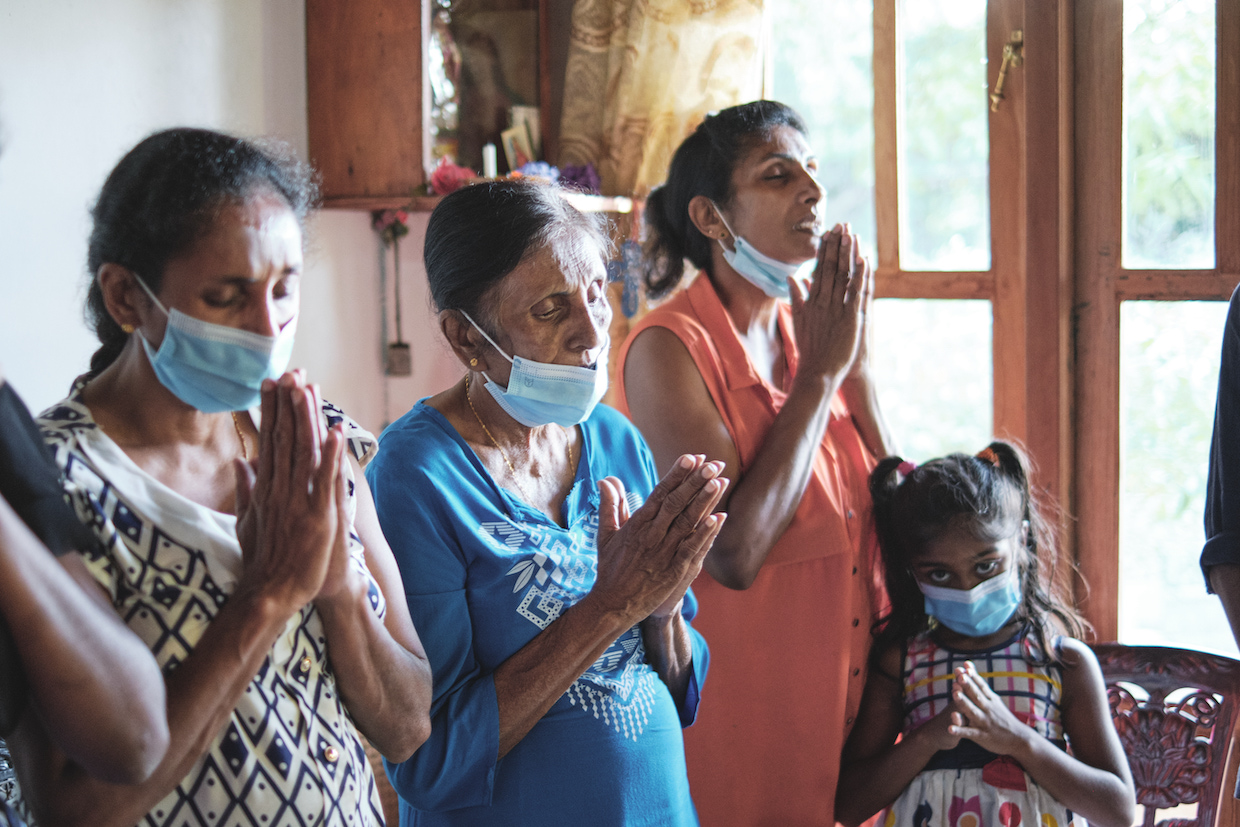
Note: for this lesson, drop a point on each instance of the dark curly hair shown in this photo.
(702, 165)
(165, 195)
(988, 494)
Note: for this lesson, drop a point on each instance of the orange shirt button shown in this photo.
(850, 719)
(854, 569)
(856, 671)
(856, 622)
(331, 754)
(851, 514)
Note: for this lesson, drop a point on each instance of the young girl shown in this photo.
(969, 668)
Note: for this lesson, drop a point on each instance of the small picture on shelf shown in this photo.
(529, 116)
(517, 149)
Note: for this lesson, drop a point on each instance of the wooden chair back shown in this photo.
(1174, 710)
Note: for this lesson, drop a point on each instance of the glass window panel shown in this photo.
(833, 90)
(1169, 355)
(1169, 96)
(944, 140)
(933, 367)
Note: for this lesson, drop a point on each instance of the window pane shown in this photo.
(944, 140)
(933, 366)
(1169, 134)
(1169, 354)
(833, 90)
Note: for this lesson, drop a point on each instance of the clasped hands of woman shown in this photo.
(647, 560)
(830, 313)
(290, 502)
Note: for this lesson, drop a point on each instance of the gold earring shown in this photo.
(473, 363)
(127, 329)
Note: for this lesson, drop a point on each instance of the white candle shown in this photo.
(490, 167)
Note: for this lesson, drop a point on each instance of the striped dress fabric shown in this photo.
(1031, 692)
(968, 786)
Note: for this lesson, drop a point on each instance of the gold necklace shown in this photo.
(245, 454)
(511, 468)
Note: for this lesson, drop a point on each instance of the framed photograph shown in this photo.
(517, 148)
(530, 116)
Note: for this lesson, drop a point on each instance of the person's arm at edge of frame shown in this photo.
(92, 683)
(1220, 556)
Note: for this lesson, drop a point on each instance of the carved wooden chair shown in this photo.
(1174, 710)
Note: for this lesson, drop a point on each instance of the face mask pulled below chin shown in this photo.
(770, 275)
(977, 612)
(216, 368)
(539, 393)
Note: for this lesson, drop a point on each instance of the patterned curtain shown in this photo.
(642, 74)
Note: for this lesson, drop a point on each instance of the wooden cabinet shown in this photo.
(365, 103)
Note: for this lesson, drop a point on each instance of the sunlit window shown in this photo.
(833, 90)
(934, 374)
(944, 138)
(932, 357)
(1169, 92)
(1169, 357)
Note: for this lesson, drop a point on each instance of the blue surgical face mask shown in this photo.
(539, 393)
(213, 367)
(977, 612)
(770, 275)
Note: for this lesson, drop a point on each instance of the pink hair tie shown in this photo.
(906, 467)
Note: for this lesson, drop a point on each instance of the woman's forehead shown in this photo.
(780, 141)
(559, 265)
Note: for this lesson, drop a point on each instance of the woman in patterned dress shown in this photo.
(239, 543)
(558, 630)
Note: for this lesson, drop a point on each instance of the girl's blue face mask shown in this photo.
(213, 367)
(977, 612)
(539, 393)
(770, 275)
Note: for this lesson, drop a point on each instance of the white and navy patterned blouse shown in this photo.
(289, 754)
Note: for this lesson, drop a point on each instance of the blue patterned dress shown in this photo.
(485, 574)
(289, 754)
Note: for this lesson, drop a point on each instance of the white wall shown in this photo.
(81, 82)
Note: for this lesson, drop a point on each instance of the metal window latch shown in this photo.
(1011, 57)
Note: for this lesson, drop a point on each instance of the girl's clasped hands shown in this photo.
(978, 714)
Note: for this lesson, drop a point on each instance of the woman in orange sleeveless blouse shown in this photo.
(780, 390)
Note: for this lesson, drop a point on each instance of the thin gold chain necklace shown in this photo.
(245, 454)
(511, 468)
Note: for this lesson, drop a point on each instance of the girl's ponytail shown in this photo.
(906, 614)
(1047, 592)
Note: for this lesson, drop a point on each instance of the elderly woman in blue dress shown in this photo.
(238, 539)
(545, 565)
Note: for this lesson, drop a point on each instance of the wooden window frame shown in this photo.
(1029, 283)
(1103, 283)
(1056, 280)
